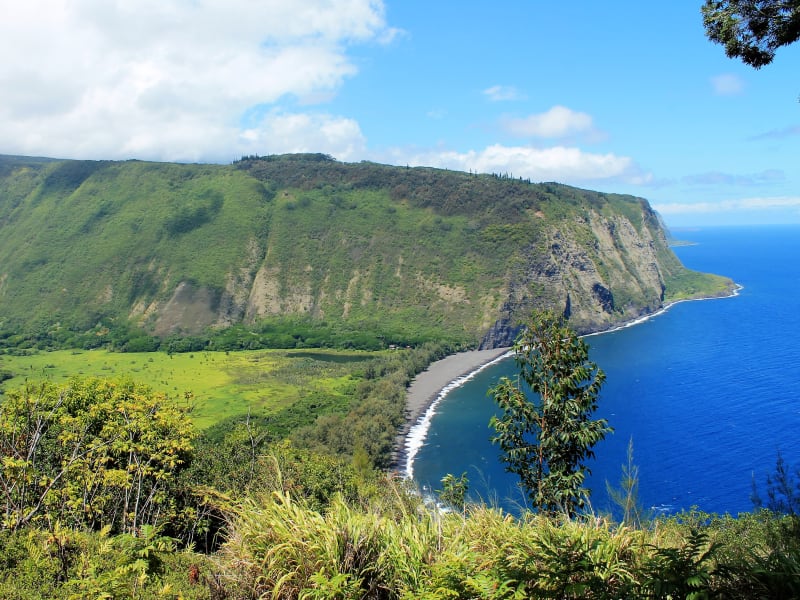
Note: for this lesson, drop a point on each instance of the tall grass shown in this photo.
(378, 539)
(279, 548)
(396, 547)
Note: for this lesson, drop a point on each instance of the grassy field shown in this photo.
(219, 384)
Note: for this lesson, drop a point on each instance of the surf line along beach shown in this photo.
(425, 392)
(432, 385)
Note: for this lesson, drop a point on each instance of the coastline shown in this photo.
(424, 392)
(644, 318)
(434, 383)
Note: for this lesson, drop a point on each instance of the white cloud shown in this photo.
(281, 133)
(726, 206)
(563, 164)
(500, 93)
(169, 79)
(558, 122)
(727, 85)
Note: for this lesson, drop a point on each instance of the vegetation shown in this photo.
(302, 251)
(385, 543)
(237, 512)
(547, 437)
(626, 497)
(752, 30)
(783, 490)
(454, 491)
(215, 386)
(264, 473)
(364, 422)
(90, 453)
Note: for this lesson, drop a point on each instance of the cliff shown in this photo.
(406, 254)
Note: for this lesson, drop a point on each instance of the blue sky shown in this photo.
(618, 96)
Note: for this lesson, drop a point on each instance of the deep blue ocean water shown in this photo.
(709, 391)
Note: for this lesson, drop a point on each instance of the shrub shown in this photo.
(90, 452)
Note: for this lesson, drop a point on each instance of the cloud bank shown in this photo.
(778, 134)
(563, 164)
(172, 80)
(726, 206)
(717, 178)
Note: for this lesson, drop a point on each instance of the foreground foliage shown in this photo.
(395, 547)
(547, 436)
(752, 30)
(75, 564)
(235, 514)
(90, 452)
(306, 525)
(389, 545)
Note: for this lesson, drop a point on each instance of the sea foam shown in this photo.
(419, 431)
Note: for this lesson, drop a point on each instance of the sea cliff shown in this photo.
(368, 254)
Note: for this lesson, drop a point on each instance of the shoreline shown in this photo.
(435, 382)
(644, 318)
(424, 393)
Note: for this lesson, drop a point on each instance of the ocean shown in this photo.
(708, 391)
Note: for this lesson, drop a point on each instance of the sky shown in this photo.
(622, 96)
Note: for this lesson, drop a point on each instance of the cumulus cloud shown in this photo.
(500, 93)
(726, 206)
(558, 122)
(279, 133)
(563, 164)
(172, 80)
(727, 85)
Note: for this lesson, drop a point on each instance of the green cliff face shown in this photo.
(410, 254)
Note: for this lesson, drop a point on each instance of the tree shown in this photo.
(91, 452)
(752, 30)
(547, 437)
(783, 490)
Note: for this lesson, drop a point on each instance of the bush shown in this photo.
(69, 564)
(91, 452)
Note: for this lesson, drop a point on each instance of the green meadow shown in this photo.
(216, 385)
